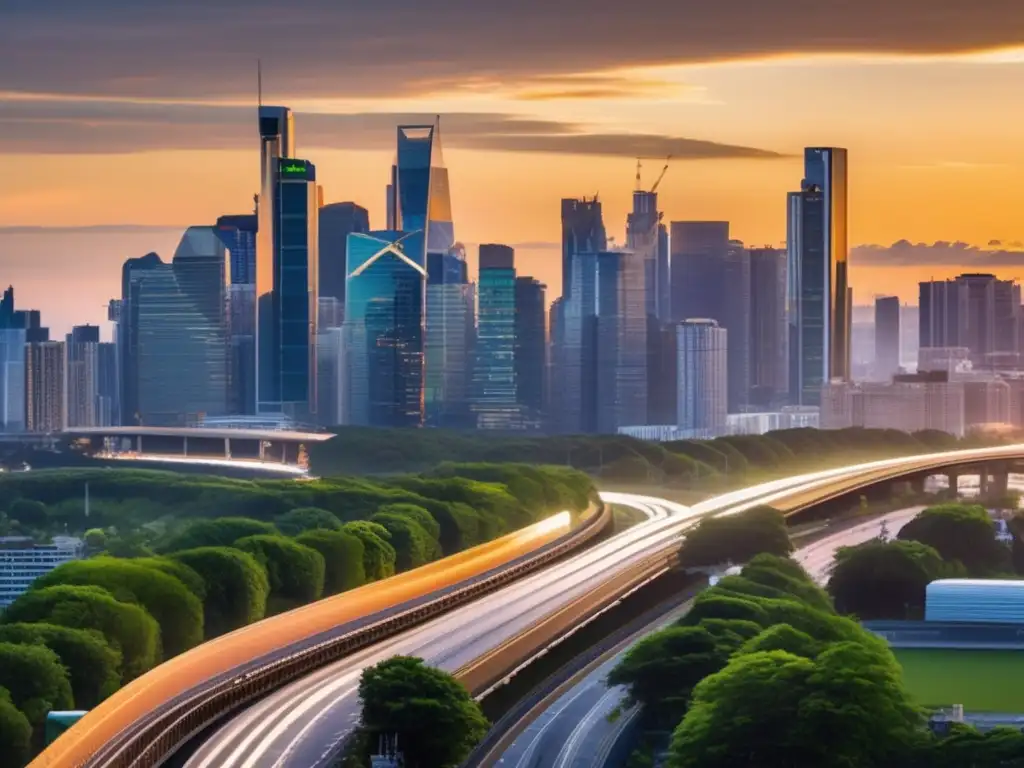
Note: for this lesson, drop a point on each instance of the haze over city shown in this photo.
(138, 122)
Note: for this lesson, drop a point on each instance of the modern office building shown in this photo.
(125, 314)
(330, 361)
(239, 235)
(337, 222)
(22, 561)
(286, 297)
(45, 395)
(702, 375)
(644, 237)
(173, 334)
(820, 296)
(583, 232)
(13, 335)
(384, 329)
(910, 403)
(108, 385)
(531, 348)
(494, 396)
(83, 376)
(769, 329)
(887, 337)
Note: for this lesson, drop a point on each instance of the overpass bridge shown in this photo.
(305, 660)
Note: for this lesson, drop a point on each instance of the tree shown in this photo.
(736, 538)
(662, 669)
(415, 512)
(96, 538)
(236, 587)
(172, 567)
(960, 532)
(378, 554)
(93, 667)
(884, 580)
(307, 519)
(775, 710)
(178, 612)
(788, 576)
(295, 573)
(413, 545)
(343, 558)
(436, 720)
(15, 733)
(35, 679)
(1001, 747)
(127, 627)
(30, 513)
(783, 637)
(219, 532)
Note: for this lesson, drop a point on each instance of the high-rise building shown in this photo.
(239, 235)
(384, 329)
(910, 403)
(703, 360)
(45, 397)
(12, 364)
(531, 347)
(83, 376)
(337, 222)
(820, 297)
(108, 385)
(286, 291)
(330, 361)
(495, 402)
(582, 232)
(887, 337)
(661, 372)
(172, 336)
(769, 329)
(644, 238)
(976, 311)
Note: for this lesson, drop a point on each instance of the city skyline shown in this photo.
(166, 148)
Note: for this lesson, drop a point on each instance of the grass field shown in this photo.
(983, 681)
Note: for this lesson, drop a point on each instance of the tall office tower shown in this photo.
(384, 329)
(337, 222)
(45, 397)
(108, 406)
(820, 313)
(942, 312)
(286, 297)
(277, 142)
(661, 372)
(582, 232)
(83, 376)
(976, 311)
(239, 235)
(703, 360)
(126, 334)
(887, 337)
(769, 329)
(664, 280)
(909, 334)
(449, 340)
(12, 365)
(557, 373)
(531, 348)
(495, 402)
(330, 362)
(643, 237)
(173, 334)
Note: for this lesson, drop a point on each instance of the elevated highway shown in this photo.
(309, 678)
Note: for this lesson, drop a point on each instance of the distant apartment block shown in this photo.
(908, 403)
(22, 561)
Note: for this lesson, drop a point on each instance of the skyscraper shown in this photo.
(976, 311)
(769, 329)
(337, 222)
(531, 347)
(286, 290)
(82, 372)
(126, 333)
(495, 402)
(643, 237)
(45, 397)
(12, 364)
(702, 376)
(820, 295)
(108, 388)
(582, 232)
(887, 337)
(384, 328)
(239, 235)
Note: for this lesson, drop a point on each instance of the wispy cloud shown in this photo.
(904, 253)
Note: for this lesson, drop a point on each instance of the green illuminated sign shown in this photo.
(293, 169)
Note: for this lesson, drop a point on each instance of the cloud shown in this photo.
(98, 229)
(939, 254)
(199, 48)
(109, 126)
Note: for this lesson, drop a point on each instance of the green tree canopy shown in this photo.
(960, 532)
(178, 612)
(415, 512)
(236, 586)
(15, 733)
(343, 558)
(884, 580)
(96, 538)
(786, 575)
(965, 747)
(302, 519)
(29, 512)
(413, 545)
(436, 720)
(126, 626)
(93, 667)
(736, 538)
(219, 532)
(662, 669)
(379, 555)
(783, 637)
(173, 567)
(295, 572)
(35, 679)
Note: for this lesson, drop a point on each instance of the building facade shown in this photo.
(337, 221)
(703, 360)
(887, 337)
(22, 561)
(583, 232)
(45, 393)
(769, 329)
(909, 403)
(239, 235)
(83, 376)
(531, 348)
(494, 393)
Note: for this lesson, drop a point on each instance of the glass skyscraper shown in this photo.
(702, 355)
(286, 290)
(238, 233)
(384, 329)
(582, 232)
(83, 371)
(819, 287)
(531, 347)
(495, 401)
(337, 222)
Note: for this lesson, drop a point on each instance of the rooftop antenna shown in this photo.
(259, 82)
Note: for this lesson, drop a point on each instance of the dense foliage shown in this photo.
(295, 572)
(960, 532)
(235, 586)
(15, 733)
(736, 538)
(36, 680)
(343, 558)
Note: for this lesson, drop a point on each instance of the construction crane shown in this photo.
(660, 175)
(638, 166)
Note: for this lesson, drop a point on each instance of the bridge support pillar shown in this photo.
(954, 481)
(916, 484)
(185, 445)
(227, 447)
(138, 444)
(999, 483)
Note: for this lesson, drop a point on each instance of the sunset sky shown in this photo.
(121, 122)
